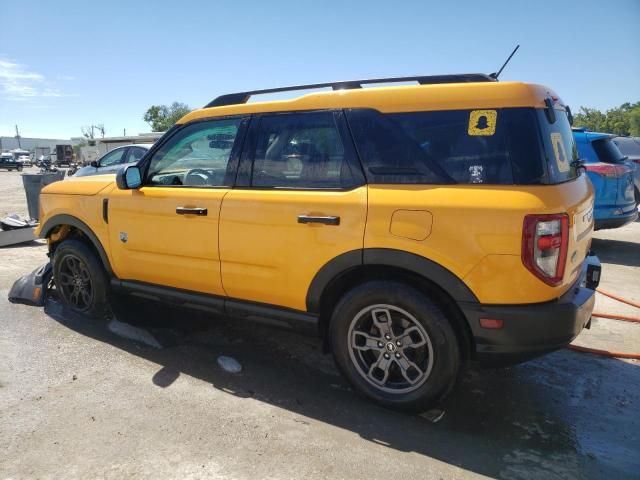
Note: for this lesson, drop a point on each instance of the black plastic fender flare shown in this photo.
(411, 262)
(63, 219)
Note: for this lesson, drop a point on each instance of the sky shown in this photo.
(67, 64)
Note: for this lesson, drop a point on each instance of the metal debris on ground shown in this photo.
(434, 415)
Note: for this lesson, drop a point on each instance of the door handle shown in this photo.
(202, 212)
(325, 220)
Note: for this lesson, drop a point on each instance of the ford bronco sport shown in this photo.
(413, 227)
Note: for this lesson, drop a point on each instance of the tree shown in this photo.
(622, 120)
(88, 131)
(162, 117)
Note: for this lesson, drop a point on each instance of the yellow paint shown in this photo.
(407, 98)
(411, 224)
(250, 245)
(482, 123)
(268, 256)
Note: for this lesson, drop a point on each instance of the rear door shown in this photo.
(299, 202)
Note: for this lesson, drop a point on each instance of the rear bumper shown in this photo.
(534, 329)
(615, 222)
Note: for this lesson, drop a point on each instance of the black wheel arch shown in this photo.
(357, 266)
(64, 219)
(399, 259)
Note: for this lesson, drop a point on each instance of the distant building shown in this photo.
(31, 144)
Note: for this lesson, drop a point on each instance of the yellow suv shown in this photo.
(414, 227)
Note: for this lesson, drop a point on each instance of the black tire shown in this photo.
(88, 279)
(407, 306)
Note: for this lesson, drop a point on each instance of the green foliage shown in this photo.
(162, 117)
(622, 120)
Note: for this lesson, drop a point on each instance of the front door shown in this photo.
(166, 232)
(299, 202)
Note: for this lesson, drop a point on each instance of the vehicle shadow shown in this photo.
(522, 422)
(618, 252)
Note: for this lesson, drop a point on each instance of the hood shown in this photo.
(80, 185)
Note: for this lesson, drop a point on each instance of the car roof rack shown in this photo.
(243, 97)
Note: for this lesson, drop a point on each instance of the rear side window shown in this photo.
(560, 147)
(499, 146)
(607, 151)
(299, 150)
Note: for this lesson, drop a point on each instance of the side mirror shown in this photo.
(129, 178)
(94, 164)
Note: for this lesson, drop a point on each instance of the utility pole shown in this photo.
(124, 132)
(18, 137)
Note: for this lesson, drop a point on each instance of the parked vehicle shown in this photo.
(612, 178)
(413, 227)
(9, 162)
(115, 159)
(630, 147)
(64, 155)
(25, 160)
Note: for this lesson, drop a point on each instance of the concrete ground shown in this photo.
(79, 401)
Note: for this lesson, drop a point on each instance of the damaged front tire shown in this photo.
(80, 278)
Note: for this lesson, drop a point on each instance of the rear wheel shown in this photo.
(80, 278)
(395, 345)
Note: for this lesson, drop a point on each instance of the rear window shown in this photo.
(607, 151)
(628, 146)
(497, 146)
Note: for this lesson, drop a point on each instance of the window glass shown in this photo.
(112, 158)
(299, 150)
(607, 151)
(628, 146)
(498, 146)
(560, 147)
(197, 155)
(135, 154)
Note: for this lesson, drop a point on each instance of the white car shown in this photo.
(25, 160)
(115, 159)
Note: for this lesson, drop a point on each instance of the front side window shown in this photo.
(299, 150)
(135, 154)
(112, 158)
(196, 156)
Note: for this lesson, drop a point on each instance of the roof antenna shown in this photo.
(495, 75)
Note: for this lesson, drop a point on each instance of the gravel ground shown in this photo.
(80, 401)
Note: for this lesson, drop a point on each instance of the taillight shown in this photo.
(608, 170)
(545, 241)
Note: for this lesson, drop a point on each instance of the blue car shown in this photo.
(612, 177)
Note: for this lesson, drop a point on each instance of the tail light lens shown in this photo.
(608, 170)
(545, 241)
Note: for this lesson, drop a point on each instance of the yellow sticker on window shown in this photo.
(562, 161)
(482, 122)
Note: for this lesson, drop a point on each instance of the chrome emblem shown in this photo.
(123, 237)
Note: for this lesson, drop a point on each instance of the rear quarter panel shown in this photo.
(476, 232)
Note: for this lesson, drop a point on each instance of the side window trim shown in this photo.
(232, 164)
(245, 168)
(125, 156)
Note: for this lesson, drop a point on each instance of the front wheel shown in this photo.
(395, 345)
(80, 278)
